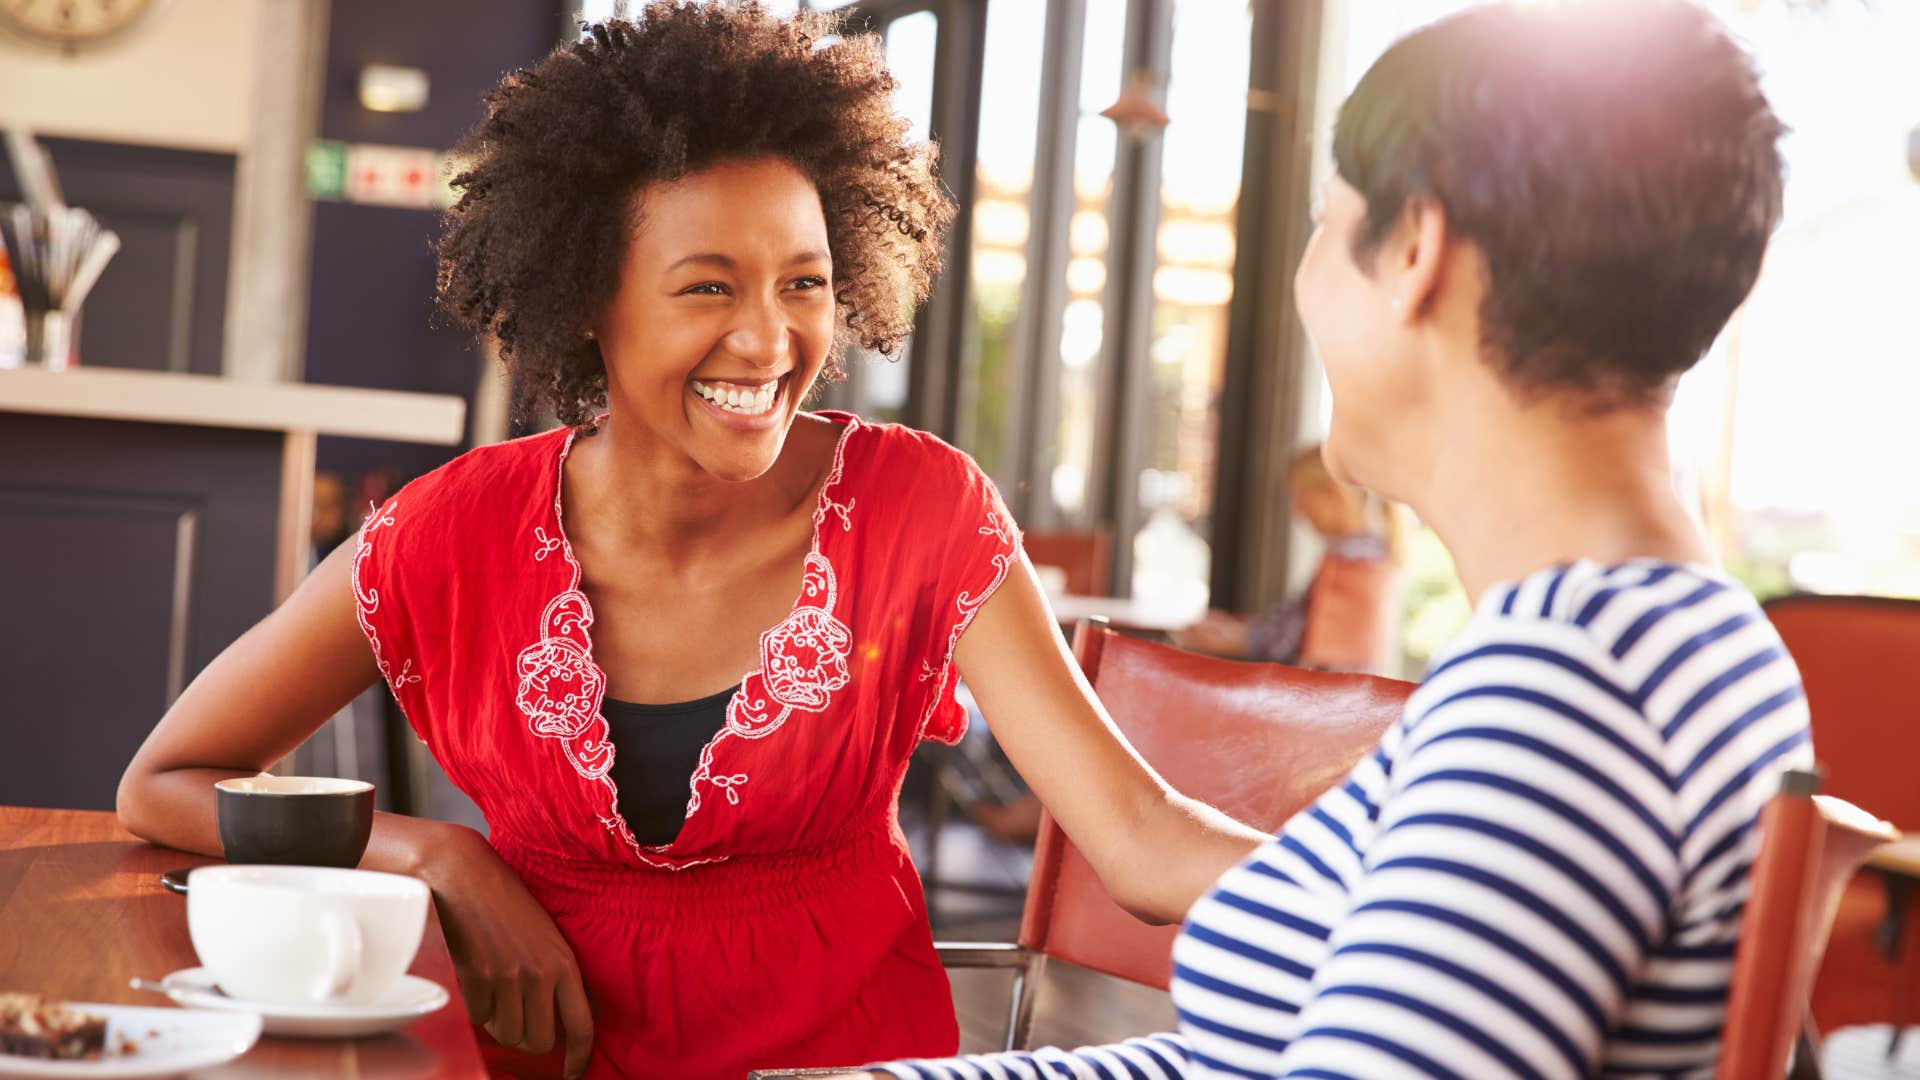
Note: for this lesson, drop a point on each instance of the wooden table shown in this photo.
(1898, 865)
(82, 911)
(1902, 857)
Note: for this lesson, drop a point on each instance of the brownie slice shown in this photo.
(33, 1027)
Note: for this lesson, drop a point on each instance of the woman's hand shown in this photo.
(518, 973)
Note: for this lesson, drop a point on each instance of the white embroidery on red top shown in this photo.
(544, 545)
(561, 689)
(845, 509)
(968, 604)
(728, 784)
(803, 659)
(803, 662)
(367, 600)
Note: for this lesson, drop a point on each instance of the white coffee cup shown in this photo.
(305, 935)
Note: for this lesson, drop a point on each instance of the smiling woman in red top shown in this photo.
(680, 649)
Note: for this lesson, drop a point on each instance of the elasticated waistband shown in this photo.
(739, 885)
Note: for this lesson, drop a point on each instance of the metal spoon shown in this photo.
(174, 992)
(151, 987)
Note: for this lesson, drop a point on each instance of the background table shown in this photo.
(1898, 865)
(1900, 858)
(1126, 614)
(82, 911)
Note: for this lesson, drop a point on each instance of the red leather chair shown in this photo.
(1259, 741)
(1857, 657)
(1087, 557)
(1810, 845)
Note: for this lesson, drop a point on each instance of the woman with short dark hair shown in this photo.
(1541, 217)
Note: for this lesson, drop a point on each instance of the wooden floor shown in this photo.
(1861, 1054)
(1076, 1007)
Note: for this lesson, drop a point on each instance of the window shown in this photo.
(880, 386)
(1193, 277)
(1797, 430)
(1082, 328)
(1002, 230)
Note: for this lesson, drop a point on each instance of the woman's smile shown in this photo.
(739, 404)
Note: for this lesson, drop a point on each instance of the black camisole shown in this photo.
(655, 750)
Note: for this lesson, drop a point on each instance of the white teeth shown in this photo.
(749, 401)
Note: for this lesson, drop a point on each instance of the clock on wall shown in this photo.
(72, 24)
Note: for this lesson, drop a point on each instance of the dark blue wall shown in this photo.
(370, 320)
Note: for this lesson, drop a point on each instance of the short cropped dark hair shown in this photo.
(531, 252)
(1614, 160)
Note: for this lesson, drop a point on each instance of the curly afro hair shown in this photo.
(531, 251)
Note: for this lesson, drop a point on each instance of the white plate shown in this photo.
(182, 1040)
(410, 999)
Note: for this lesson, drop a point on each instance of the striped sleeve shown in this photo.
(1523, 870)
(1153, 1057)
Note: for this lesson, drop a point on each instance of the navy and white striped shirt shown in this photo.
(1540, 872)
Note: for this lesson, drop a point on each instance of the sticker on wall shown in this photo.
(391, 175)
(327, 169)
(382, 175)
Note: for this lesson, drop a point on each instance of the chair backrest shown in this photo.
(1856, 657)
(1259, 741)
(1086, 556)
(1809, 846)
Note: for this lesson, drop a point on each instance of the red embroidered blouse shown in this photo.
(785, 925)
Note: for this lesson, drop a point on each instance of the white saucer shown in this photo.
(165, 1042)
(410, 999)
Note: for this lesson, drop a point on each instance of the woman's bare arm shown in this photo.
(258, 700)
(261, 698)
(1155, 850)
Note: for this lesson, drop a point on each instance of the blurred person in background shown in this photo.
(1344, 620)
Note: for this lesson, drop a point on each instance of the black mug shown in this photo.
(297, 820)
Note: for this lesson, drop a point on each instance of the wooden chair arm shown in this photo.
(982, 954)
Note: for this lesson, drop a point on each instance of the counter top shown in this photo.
(203, 400)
